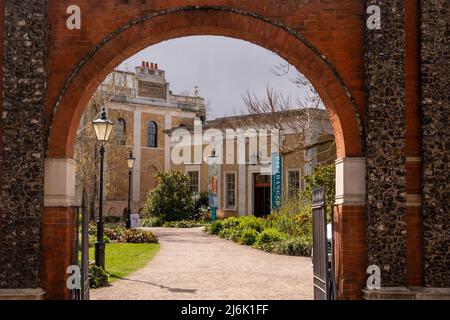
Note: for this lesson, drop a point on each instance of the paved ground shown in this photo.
(193, 265)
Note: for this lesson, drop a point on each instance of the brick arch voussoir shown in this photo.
(148, 30)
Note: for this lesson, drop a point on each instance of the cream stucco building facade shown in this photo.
(146, 114)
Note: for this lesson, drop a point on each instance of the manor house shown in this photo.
(146, 113)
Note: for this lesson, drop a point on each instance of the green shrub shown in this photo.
(97, 277)
(230, 222)
(287, 231)
(152, 222)
(93, 240)
(293, 247)
(172, 199)
(227, 233)
(139, 236)
(92, 229)
(114, 234)
(322, 176)
(252, 222)
(248, 237)
(215, 227)
(269, 235)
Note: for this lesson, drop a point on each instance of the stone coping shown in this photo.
(22, 294)
(403, 293)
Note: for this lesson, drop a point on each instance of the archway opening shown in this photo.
(104, 58)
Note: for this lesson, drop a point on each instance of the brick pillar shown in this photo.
(435, 83)
(58, 227)
(414, 245)
(386, 135)
(23, 145)
(350, 227)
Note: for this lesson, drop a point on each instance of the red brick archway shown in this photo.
(149, 30)
(335, 70)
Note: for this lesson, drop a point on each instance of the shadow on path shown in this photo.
(159, 285)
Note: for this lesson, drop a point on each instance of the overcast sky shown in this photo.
(224, 69)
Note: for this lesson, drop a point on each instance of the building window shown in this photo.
(294, 184)
(194, 183)
(152, 135)
(230, 190)
(120, 132)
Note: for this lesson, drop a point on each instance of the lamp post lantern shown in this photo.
(130, 163)
(103, 128)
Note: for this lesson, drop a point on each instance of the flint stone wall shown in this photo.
(385, 142)
(24, 85)
(435, 69)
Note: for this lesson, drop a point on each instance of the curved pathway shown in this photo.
(192, 265)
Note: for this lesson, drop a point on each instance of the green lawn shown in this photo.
(125, 258)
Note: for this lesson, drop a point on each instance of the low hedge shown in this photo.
(122, 235)
(279, 234)
(139, 236)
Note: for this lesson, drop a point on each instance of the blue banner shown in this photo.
(277, 180)
(213, 185)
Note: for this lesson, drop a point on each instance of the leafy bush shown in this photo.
(269, 235)
(93, 240)
(115, 234)
(252, 222)
(215, 227)
(230, 222)
(139, 236)
(322, 176)
(288, 231)
(292, 247)
(97, 277)
(248, 237)
(92, 229)
(228, 233)
(152, 222)
(172, 199)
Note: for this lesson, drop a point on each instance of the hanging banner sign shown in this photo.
(277, 180)
(213, 188)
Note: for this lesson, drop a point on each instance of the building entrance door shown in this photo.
(261, 195)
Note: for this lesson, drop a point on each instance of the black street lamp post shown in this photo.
(130, 163)
(103, 128)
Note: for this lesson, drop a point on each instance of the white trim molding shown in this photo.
(195, 168)
(351, 181)
(236, 196)
(59, 183)
(137, 125)
(241, 189)
(286, 182)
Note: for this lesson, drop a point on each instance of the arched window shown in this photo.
(152, 135)
(120, 131)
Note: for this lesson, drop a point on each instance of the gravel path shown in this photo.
(192, 265)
